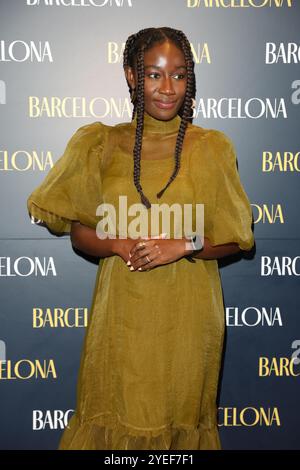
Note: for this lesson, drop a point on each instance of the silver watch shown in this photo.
(193, 243)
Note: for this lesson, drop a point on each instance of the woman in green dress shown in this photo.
(152, 352)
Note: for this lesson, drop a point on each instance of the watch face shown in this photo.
(194, 243)
(197, 245)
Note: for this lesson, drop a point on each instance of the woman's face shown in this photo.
(165, 80)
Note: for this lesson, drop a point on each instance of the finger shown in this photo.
(144, 250)
(142, 245)
(134, 248)
(144, 262)
(137, 253)
(152, 264)
(140, 250)
(142, 253)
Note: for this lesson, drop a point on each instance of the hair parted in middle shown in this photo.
(135, 47)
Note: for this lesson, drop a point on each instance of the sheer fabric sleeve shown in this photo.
(72, 189)
(233, 214)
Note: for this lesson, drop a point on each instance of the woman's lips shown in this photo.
(165, 105)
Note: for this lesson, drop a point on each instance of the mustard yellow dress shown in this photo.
(152, 351)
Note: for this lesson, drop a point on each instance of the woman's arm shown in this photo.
(166, 251)
(218, 251)
(85, 239)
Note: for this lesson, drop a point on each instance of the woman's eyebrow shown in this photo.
(157, 67)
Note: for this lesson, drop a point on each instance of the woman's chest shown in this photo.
(192, 178)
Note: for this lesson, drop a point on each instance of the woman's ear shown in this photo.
(130, 76)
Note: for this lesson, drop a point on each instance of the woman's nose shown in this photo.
(166, 86)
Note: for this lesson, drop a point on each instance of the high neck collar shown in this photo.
(158, 126)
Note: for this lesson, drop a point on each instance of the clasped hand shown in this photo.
(148, 253)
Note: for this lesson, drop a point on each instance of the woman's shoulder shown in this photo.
(214, 136)
(91, 129)
(91, 134)
(214, 145)
(99, 127)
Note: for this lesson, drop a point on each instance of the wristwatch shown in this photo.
(193, 243)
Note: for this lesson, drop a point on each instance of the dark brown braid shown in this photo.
(135, 47)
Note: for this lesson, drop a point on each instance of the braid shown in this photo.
(135, 47)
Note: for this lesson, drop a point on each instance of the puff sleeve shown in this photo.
(72, 188)
(233, 213)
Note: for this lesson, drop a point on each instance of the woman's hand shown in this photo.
(123, 246)
(148, 252)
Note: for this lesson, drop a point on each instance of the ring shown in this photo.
(148, 259)
(141, 244)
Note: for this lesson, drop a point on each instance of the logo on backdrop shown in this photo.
(285, 53)
(26, 266)
(280, 266)
(26, 369)
(253, 316)
(238, 3)
(281, 366)
(280, 162)
(79, 3)
(56, 317)
(21, 51)
(115, 51)
(277, 366)
(101, 107)
(270, 214)
(248, 416)
(24, 160)
(50, 419)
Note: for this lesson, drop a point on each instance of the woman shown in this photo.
(151, 359)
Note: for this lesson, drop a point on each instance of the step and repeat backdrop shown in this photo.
(61, 68)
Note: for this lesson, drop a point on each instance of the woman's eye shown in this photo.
(154, 73)
(180, 75)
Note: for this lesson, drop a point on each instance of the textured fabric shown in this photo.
(152, 352)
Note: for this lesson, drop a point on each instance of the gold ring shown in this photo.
(141, 244)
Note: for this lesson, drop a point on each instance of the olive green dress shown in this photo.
(152, 352)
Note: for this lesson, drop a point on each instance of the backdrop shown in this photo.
(61, 68)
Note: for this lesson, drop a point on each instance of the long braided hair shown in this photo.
(134, 49)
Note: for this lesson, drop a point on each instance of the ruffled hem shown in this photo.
(106, 432)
